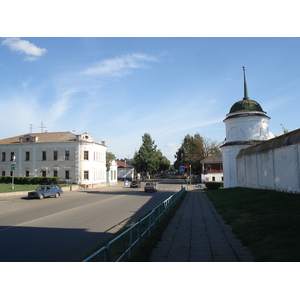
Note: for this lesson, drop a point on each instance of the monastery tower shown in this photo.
(246, 124)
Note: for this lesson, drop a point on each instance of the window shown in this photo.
(208, 167)
(11, 173)
(221, 167)
(86, 155)
(67, 155)
(3, 173)
(44, 174)
(55, 173)
(12, 154)
(86, 175)
(27, 173)
(27, 156)
(3, 156)
(44, 155)
(55, 156)
(214, 178)
(67, 175)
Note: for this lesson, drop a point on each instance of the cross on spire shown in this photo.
(245, 87)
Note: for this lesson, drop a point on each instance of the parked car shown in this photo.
(200, 185)
(150, 187)
(44, 191)
(135, 184)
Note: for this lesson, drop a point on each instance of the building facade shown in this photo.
(212, 168)
(112, 176)
(76, 158)
(125, 171)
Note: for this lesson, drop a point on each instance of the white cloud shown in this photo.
(119, 66)
(30, 58)
(23, 46)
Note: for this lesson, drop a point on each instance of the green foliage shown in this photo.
(148, 159)
(30, 180)
(191, 152)
(109, 156)
(213, 185)
(266, 221)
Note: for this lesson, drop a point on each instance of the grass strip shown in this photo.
(7, 187)
(268, 222)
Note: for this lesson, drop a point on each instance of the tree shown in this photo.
(145, 159)
(210, 146)
(148, 160)
(191, 152)
(109, 156)
(162, 161)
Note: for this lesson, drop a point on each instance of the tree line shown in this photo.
(149, 160)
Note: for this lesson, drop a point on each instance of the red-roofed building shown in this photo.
(125, 171)
(212, 168)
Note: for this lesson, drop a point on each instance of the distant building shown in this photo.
(125, 171)
(71, 157)
(212, 168)
(112, 176)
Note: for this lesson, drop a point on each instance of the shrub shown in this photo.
(214, 185)
(30, 180)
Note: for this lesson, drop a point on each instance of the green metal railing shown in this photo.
(124, 242)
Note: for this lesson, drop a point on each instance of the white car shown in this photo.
(150, 187)
(200, 185)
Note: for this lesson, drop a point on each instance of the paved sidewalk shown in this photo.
(197, 233)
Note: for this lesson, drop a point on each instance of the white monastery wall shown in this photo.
(276, 169)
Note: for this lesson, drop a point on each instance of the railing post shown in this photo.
(106, 254)
(139, 234)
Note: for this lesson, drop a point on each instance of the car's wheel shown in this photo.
(41, 196)
(56, 195)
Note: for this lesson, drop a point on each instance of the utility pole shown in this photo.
(31, 127)
(42, 126)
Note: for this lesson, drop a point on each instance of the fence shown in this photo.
(124, 242)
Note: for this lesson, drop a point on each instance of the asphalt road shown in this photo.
(65, 229)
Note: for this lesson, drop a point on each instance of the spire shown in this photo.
(245, 87)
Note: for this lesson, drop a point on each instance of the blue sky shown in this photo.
(117, 89)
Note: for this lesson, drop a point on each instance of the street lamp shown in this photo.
(13, 165)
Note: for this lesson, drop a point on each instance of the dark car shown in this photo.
(44, 191)
(135, 184)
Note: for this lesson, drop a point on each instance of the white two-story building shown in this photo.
(66, 155)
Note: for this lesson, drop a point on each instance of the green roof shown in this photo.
(245, 105)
